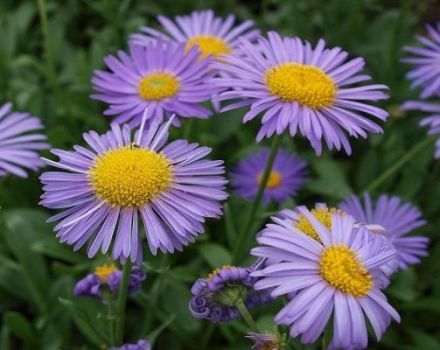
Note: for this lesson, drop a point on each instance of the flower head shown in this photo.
(212, 35)
(300, 88)
(161, 77)
(338, 276)
(119, 180)
(425, 59)
(19, 142)
(398, 218)
(265, 341)
(110, 276)
(432, 121)
(287, 175)
(215, 296)
(139, 345)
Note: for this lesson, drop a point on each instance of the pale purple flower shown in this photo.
(286, 178)
(398, 218)
(20, 142)
(425, 59)
(160, 77)
(432, 121)
(265, 341)
(139, 345)
(298, 88)
(214, 297)
(337, 276)
(119, 181)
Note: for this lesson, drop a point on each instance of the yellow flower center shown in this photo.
(104, 271)
(341, 268)
(209, 45)
(130, 177)
(323, 215)
(308, 85)
(158, 86)
(217, 271)
(274, 179)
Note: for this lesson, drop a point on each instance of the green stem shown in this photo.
(122, 301)
(396, 166)
(246, 230)
(111, 317)
(51, 74)
(326, 337)
(244, 312)
(187, 129)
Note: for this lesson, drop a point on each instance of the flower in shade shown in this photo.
(335, 277)
(287, 176)
(106, 189)
(296, 88)
(425, 59)
(110, 276)
(19, 142)
(161, 77)
(214, 297)
(432, 121)
(139, 345)
(398, 218)
(212, 35)
(265, 341)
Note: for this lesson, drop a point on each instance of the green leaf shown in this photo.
(21, 327)
(215, 254)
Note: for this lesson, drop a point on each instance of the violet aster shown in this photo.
(106, 189)
(215, 296)
(335, 277)
(425, 59)
(432, 121)
(296, 87)
(265, 341)
(398, 218)
(286, 177)
(212, 35)
(108, 275)
(139, 345)
(161, 77)
(19, 142)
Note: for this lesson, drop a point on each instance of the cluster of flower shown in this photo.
(328, 262)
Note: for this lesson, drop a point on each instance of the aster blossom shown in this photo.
(398, 218)
(300, 88)
(426, 70)
(337, 276)
(265, 341)
(20, 142)
(141, 344)
(214, 297)
(106, 189)
(160, 77)
(286, 177)
(212, 35)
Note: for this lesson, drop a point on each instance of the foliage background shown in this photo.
(48, 73)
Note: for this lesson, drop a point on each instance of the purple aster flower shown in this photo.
(19, 142)
(161, 77)
(140, 345)
(426, 71)
(432, 121)
(398, 218)
(110, 276)
(214, 297)
(300, 88)
(337, 275)
(287, 176)
(212, 35)
(265, 341)
(119, 180)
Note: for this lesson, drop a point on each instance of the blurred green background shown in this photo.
(47, 69)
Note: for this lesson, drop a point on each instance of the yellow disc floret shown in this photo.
(104, 271)
(308, 85)
(274, 180)
(341, 268)
(130, 177)
(323, 215)
(158, 86)
(209, 45)
(217, 271)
